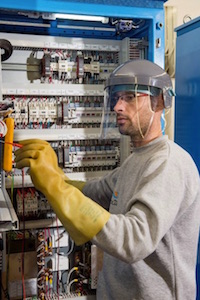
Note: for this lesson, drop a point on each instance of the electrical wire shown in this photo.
(70, 250)
(13, 144)
(41, 263)
(58, 246)
(3, 128)
(12, 187)
(70, 272)
(23, 238)
(8, 264)
(70, 284)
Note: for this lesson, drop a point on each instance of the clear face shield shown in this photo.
(128, 110)
(109, 128)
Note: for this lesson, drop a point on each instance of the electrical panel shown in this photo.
(61, 102)
(53, 89)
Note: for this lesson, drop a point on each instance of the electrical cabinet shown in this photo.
(188, 88)
(54, 84)
(187, 103)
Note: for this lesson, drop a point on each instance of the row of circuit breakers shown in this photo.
(56, 112)
(86, 67)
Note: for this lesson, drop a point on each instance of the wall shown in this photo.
(184, 8)
(177, 13)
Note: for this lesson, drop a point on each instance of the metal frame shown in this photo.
(187, 103)
(150, 11)
(187, 88)
(87, 7)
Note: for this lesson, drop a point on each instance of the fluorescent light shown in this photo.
(75, 17)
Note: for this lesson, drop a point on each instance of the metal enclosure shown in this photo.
(187, 103)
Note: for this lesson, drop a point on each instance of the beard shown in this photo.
(137, 132)
(131, 131)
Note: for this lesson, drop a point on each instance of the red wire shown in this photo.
(45, 245)
(23, 238)
(14, 144)
(58, 257)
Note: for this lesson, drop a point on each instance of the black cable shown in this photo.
(7, 47)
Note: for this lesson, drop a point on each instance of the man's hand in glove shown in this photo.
(42, 160)
(82, 217)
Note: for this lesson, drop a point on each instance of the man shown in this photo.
(144, 214)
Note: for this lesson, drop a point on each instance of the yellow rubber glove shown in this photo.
(82, 217)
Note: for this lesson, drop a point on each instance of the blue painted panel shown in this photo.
(187, 108)
(81, 6)
(152, 15)
(187, 105)
(191, 25)
(84, 8)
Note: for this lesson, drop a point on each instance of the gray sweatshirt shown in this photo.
(150, 241)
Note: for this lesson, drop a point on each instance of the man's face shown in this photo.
(133, 113)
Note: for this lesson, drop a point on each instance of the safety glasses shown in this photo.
(127, 97)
